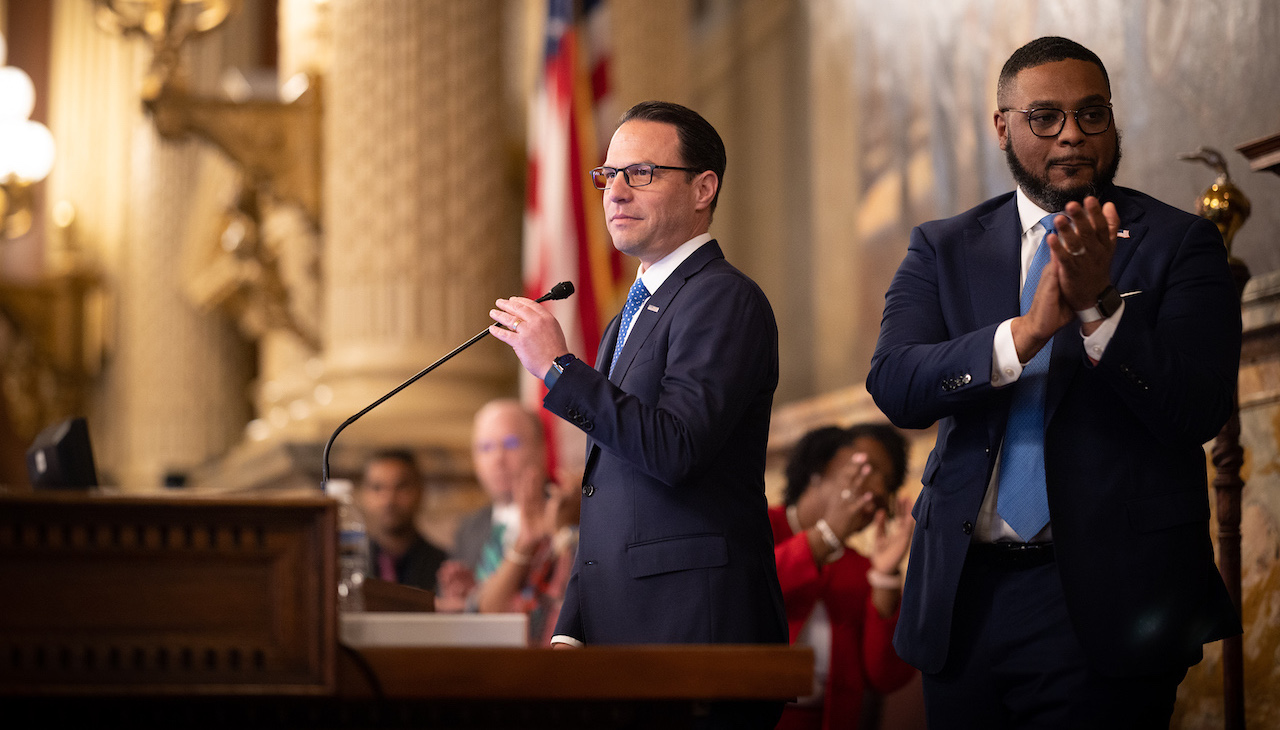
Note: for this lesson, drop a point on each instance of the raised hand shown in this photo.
(850, 493)
(892, 537)
(1047, 314)
(533, 333)
(1083, 248)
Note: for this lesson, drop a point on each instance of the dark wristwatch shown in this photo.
(557, 367)
(1108, 302)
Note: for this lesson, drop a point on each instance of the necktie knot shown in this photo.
(1047, 223)
(637, 294)
(635, 297)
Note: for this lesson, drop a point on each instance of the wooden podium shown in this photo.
(221, 612)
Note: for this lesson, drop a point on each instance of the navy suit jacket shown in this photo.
(675, 544)
(1124, 461)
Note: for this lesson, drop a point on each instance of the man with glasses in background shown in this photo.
(507, 453)
(674, 544)
(1076, 343)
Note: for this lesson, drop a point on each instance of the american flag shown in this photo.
(570, 120)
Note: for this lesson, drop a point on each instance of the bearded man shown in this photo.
(1061, 570)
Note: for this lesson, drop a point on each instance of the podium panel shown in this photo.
(159, 595)
(182, 611)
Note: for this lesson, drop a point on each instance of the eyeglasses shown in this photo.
(637, 176)
(1048, 122)
(506, 443)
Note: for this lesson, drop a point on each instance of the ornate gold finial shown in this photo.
(1222, 202)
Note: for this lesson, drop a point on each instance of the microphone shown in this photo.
(559, 291)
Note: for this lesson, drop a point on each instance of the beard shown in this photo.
(1054, 199)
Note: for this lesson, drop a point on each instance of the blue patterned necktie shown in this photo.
(635, 298)
(1023, 501)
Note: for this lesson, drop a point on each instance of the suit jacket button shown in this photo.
(967, 378)
(588, 490)
(588, 425)
(967, 527)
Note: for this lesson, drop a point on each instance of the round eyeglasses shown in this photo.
(637, 176)
(1048, 122)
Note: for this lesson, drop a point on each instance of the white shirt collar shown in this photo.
(1029, 214)
(654, 276)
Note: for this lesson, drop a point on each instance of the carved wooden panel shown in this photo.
(166, 595)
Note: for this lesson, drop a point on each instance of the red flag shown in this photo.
(564, 234)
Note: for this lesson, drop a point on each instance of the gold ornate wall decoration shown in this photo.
(274, 143)
(247, 276)
(167, 25)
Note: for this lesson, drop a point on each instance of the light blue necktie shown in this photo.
(1023, 501)
(635, 298)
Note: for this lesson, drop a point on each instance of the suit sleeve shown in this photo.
(718, 359)
(925, 367)
(1174, 358)
(569, 622)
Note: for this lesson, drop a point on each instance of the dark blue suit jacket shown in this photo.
(675, 544)
(1124, 462)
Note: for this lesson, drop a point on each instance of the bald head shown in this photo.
(506, 446)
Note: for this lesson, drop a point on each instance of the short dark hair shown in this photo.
(1041, 51)
(700, 143)
(404, 456)
(811, 455)
(893, 442)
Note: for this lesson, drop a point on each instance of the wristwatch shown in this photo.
(557, 367)
(1108, 302)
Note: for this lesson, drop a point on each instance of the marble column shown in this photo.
(414, 206)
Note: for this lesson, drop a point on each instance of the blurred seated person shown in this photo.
(507, 450)
(389, 495)
(841, 603)
(534, 572)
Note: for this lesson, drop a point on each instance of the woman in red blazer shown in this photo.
(841, 603)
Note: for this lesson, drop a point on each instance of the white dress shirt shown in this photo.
(1006, 369)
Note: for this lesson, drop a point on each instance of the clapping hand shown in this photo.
(892, 537)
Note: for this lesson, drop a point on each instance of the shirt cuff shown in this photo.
(563, 639)
(1096, 344)
(1005, 367)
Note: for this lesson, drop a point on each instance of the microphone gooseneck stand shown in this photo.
(559, 291)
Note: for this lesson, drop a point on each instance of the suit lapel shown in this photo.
(656, 308)
(604, 353)
(993, 261)
(1067, 345)
(1131, 215)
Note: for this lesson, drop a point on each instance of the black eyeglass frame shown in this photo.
(1062, 123)
(627, 176)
